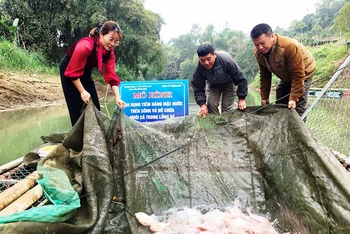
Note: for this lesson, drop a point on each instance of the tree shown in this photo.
(172, 69)
(52, 26)
(187, 67)
(187, 44)
(12, 29)
(342, 21)
(208, 34)
(141, 50)
(316, 29)
(326, 11)
(309, 21)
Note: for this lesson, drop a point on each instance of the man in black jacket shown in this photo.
(217, 74)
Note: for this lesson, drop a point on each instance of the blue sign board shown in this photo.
(148, 101)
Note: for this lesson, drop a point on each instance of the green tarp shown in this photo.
(266, 157)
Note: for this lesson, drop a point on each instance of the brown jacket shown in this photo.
(290, 61)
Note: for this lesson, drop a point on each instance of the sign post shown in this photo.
(148, 101)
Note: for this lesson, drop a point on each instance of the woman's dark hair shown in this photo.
(205, 49)
(261, 29)
(105, 28)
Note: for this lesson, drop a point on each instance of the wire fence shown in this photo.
(329, 119)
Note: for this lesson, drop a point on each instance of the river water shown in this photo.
(20, 130)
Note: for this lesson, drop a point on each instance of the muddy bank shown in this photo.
(20, 91)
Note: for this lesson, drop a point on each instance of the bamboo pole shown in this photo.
(14, 192)
(11, 165)
(25, 201)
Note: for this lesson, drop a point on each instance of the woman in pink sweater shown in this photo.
(96, 50)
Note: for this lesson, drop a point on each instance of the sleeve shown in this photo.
(198, 85)
(296, 68)
(77, 63)
(238, 79)
(109, 74)
(265, 82)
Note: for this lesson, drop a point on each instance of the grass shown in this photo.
(328, 59)
(13, 58)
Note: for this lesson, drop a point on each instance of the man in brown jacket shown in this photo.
(289, 60)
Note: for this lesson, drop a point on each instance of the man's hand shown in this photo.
(203, 111)
(241, 104)
(265, 102)
(292, 104)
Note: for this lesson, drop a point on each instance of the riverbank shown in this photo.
(22, 91)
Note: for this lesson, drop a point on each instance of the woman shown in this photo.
(96, 50)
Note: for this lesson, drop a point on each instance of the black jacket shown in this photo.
(225, 71)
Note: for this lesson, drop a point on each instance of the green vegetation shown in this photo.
(328, 57)
(342, 22)
(16, 59)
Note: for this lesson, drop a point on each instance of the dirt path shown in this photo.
(18, 91)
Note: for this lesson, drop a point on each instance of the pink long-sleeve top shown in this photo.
(88, 53)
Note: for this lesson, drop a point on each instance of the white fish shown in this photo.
(214, 221)
(151, 221)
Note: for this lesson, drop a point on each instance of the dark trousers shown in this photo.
(73, 99)
(283, 92)
(228, 93)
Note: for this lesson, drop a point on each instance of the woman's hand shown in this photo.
(120, 103)
(85, 96)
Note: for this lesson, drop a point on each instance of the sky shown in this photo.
(180, 15)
